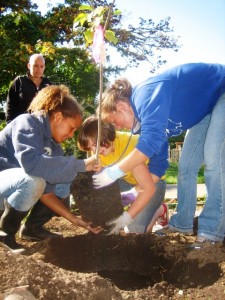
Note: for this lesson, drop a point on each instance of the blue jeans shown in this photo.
(141, 221)
(204, 143)
(22, 191)
(62, 190)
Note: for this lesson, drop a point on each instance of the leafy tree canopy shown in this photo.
(24, 31)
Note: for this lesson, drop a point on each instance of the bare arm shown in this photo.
(132, 160)
(146, 189)
(52, 202)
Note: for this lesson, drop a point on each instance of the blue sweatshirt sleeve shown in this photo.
(30, 144)
(151, 102)
(159, 163)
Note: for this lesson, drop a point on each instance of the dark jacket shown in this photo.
(20, 95)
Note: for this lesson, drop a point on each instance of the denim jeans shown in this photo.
(62, 190)
(204, 143)
(141, 221)
(20, 190)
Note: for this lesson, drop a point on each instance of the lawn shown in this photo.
(172, 171)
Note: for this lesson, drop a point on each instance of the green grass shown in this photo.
(172, 171)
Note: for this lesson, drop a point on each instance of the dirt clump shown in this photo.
(96, 205)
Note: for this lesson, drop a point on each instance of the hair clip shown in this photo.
(120, 88)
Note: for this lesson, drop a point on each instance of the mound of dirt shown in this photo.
(127, 266)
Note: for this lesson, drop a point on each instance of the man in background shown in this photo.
(25, 87)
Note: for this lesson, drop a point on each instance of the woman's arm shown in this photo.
(146, 188)
(52, 202)
(159, 163)
(110, 174)
(132, 160)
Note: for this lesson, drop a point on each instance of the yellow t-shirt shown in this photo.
(120, 143)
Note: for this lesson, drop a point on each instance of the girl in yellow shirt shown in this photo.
(114, 146)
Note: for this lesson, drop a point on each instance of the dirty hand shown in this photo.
(97, 166)
(119, 223)
(95, 230)
(88, 226)
(107, 176)
(92, 164)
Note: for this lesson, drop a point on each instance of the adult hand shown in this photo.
(94, 230)
(107, 176)
(119, 223)
(88, 226)
(97, 166)
(92, 164)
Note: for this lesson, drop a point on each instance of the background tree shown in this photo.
(15, 5)
(137, 44)
(23, 31)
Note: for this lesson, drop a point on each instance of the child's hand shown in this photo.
(97, 166)
(119, 223)
(92, 164)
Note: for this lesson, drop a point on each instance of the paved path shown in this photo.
(171, 191)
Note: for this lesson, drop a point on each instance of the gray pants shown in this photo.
(141, 221)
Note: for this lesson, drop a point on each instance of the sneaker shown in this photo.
(9, 243)
(163, 219)
(201, 242)
(37, 234)
(156, 227)
(168, 229)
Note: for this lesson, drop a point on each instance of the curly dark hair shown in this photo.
(54, 98)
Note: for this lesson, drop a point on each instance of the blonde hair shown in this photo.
(119, 91)
(54, 98)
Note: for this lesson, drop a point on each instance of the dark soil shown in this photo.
(96, 205)
(85, 266)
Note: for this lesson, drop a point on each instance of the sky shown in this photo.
(199, 23)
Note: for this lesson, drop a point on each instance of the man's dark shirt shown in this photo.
(20, 95)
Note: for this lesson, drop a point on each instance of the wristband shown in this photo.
(115, 172)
